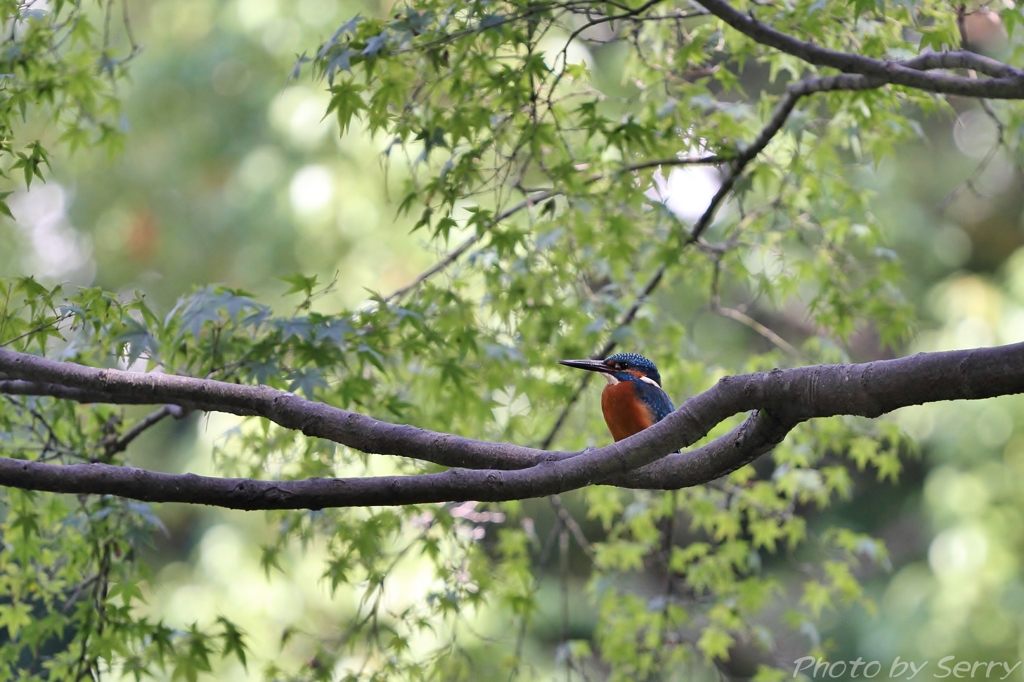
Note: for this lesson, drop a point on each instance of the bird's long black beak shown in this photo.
(590, 365)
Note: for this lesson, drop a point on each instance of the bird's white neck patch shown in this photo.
(612, 380)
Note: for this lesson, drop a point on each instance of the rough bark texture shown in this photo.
(498, 471)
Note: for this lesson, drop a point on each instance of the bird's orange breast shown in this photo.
(624, 412)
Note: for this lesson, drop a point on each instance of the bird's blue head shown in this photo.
(620, 367)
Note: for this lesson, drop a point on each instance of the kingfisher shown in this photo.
(633, 398)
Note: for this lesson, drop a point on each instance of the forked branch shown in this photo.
(499, 471)
(1005, 82)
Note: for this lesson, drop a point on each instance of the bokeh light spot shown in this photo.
(957, 551)
(58, 250)
(994, 426)
(974, 133)
(955, 493)
(687, 191)
(311, 189)
(256, 13)
(298, 113)
(317, 13)
(261, 168)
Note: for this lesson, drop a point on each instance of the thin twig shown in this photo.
(150, 420)
(572, 525)
(751, 323)
(535, 198)
(610, 345)
(453, 256)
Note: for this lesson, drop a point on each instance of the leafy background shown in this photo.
(229, 172)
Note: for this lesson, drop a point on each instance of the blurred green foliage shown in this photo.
(252, 140)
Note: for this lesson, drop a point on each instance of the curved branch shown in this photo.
(88, 384)
(783, 109)
(1006, 82)
(782, 398)
(550, 474)
(757, 435)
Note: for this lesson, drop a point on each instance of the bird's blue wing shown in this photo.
(656, 400)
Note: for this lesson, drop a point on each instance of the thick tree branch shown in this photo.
(1006, 82)
(756, 436)
(18, 387)
(88, 384)
(782, 398)
(548, 477)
